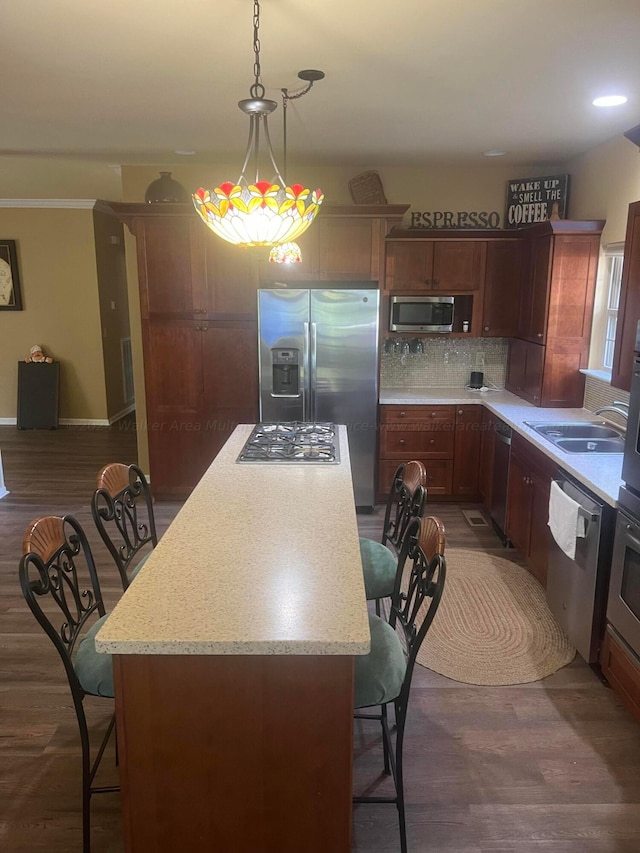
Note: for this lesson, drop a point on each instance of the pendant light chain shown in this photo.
(257, 90)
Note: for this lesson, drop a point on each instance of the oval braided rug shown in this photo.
(493, 626)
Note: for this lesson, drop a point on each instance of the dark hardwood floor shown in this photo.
(549, 767)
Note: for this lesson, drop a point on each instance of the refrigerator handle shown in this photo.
(313, 376)
(306, 374)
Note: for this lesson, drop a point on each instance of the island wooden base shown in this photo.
(250, 754)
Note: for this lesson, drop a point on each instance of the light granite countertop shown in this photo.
(262, 559)
(599, 472)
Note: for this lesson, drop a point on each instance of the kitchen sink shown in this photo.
(591, 445)
(581, 436)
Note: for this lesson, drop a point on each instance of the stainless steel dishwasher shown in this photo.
(577, 589)
(501, 457)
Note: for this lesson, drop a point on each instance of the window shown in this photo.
(613, 298)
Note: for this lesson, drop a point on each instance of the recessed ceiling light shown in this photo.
(609, 101)
(494, 152)
(184, 152)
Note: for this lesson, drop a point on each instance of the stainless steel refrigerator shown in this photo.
(318, 354)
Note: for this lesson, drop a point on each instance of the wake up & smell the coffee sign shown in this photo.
(536, 199)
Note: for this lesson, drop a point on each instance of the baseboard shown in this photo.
(121, 414)
(8, 421)
(96, 422)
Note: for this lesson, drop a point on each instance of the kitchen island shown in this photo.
(233, 662)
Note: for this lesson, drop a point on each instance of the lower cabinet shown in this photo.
(198, 390)
(530, 475)
(487, 450)
(621, 668)
(445, 438)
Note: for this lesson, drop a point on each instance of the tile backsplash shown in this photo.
(443, 363)
(599, 393)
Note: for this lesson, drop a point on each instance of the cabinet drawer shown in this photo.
(418, 439)
(439, 476)
(395, 413)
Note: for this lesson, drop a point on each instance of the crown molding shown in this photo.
(61, 203)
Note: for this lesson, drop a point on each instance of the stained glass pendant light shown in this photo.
(258, 213)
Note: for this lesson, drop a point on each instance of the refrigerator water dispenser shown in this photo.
(285, 372)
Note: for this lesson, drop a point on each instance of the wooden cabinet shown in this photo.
(556, 313)
(530, 475)
(487, 450)
(621, 668)
(502, 286)
(445, 266)
(629, 305)
(466, 453)
(535, 292)
(345, 243)
(201, 382)
(524, 370)
(445, 438)
(186, 271)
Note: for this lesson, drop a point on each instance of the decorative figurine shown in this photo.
(37, 356)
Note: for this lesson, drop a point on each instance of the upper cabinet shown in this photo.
(556, 312)
(503, 281)
(445, 266)
(629, 306)
(535, 293)
(345, 243)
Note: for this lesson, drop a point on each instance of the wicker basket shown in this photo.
(367, 189)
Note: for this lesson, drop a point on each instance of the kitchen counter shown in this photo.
(233, 659)
(599, 472)
(262, 559)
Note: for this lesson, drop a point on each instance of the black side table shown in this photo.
(38, 395)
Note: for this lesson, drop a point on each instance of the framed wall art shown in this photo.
(10, 296)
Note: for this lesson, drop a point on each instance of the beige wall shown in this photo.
(58, 177)
(57, 265)
(604, 182)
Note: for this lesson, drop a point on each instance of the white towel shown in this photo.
(564, 520)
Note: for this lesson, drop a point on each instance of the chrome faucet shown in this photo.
(615, 409)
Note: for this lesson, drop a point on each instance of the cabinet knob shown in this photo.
(402, 442)
(486, 328)
(539, 335)
(433, 441)
(460, 412)
(434, 414)
(403, 414)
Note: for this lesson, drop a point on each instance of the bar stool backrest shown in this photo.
(53, 577)
(122, 509)
(407, 497)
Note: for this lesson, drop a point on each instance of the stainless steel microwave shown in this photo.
(421, 313)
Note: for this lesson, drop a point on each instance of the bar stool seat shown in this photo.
(94, 670)
(379, 566)
(379, 675)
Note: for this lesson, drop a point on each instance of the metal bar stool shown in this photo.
(406, 500)
(384, 675)
(53, 576)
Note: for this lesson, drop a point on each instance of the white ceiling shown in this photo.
(130, 81)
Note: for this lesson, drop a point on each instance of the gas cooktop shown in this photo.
(292, 441)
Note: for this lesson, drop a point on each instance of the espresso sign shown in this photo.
(455, 219)
(536, 199)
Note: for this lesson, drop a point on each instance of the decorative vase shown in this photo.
(165, 189)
